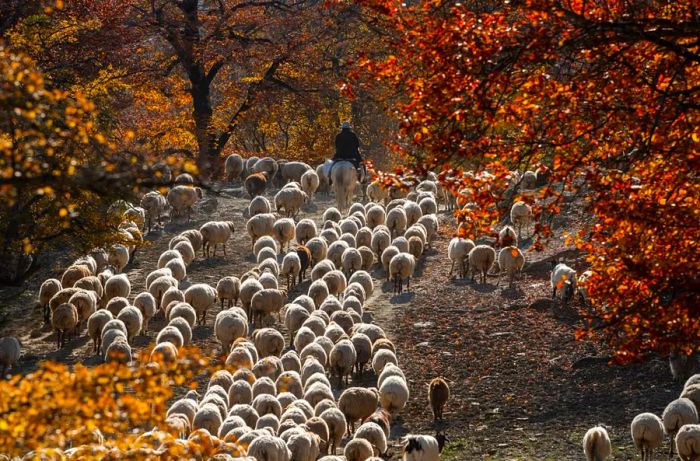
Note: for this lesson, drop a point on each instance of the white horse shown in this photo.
(344, 176)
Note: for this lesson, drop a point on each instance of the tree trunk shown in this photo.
(207, 157)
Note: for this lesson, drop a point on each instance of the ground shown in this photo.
(519, 389)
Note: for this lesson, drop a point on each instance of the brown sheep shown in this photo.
(438, 393)
(305, 258)
(357, 403)
(382, 418)
(255, 184)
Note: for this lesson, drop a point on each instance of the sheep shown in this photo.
(268, 280)
(481, 258)
(117, 286)
(438, 394)
(228, 289)
(678, 413)
(401, 267)
(178, 268)
(351, 261)
(647, 434)
(314, 350)
(337, 426)
(428, 205)
(283, 231)
(687, 442)
(74, 273)
(208, 417)
(153, 204)
(118, 257)
(304, 446)
(342, 360)
(380, 358)
(259, 205)
(266, 404)
(318, 248)
(64, 319)
(201, 297)
(165, 351)
(249, 288)
(186, 249)
(184, 327)
(167, 256)
(233, 167)
(581, 288)
(133, 320)
(260, 225)
(255, 184)
(376, 193)
(195, 238)
(562, 281)
(431, 226)
(422, 447)
(520, 216)
(265, 302)
(396, 221)
(374, 434)
(86, 303)
(269, 448)
(216, 232)
(10, 351)
(47, 291)
(401, 243)
(118, 351)
(95, 324)
(380, 242)
(265, 241)
(183, 310)
(305, 230)
(507, 237)
(182, 198)
(335, 281)
(357, 403)
(228, 327)
(321, 269)
(309, 183)
(293, 171)
(291, 268)
(294, 318)
(329, 235)
(510, 261)
(240, 392)
(160, 285)
(596, 444)
(363, 237)
(290, 200)
(335, 252)
(358, 450)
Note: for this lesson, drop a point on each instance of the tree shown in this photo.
(603, 92)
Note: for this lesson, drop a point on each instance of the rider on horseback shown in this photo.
(347, 149)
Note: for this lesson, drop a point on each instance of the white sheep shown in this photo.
(304, 446)
(291, 268)
(268, 280)
(171, 295)
(688, 442)
(520, 216)
(563, 282)
(160, 285)
(195, 237)
(228, 327)
(118, 257)
(233, 166)
(117, 286)
(596, 444)
(376, 193)
(169, 334)
(270, 448)
(510, 261)
(431, 225)
(413, 212)
(351, 261)
(283, 231)
(269, 265)
(183, 326)
(335, 281)
(165, 351)
(305, 230)
(184, 311)
(678, 413)
(481, 258)
(342, 360)
(396, 221)
(182, 198)
(337, 426)
(95, 324)
(401, 243)
(47, 291)
(186, 249)
(178, 268)
(260, 225)
(358, 450)
(401, 268)
(422, 447)
(290, 200)
(374, 435)
(64, 319)
(217, 233)
(154, 205)
(318, 248)
(647, 431)
(201, 297)
(293, 171)
(167, 256)
(133, 320)
(266, 302)
(229, 289)
(249, 288)
(309, 183)
(10, 351)
(85, 302)
(118, 351)
(146, 303)
(380, 241)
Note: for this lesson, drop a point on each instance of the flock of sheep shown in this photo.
(275, 396)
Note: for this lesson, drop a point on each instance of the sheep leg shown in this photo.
(224, 245)
(451, 269)
(554, 292)
(408, 284)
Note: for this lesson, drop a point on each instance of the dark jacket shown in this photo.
(347, 146)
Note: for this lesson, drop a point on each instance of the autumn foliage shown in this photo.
(606, 95)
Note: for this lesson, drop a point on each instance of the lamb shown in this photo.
(351, 261)
(64, 319)
(647, 434)
(265, 302)
(309, 183)
(255, 184)
(520, 216)
(117, 286)
(401, 267)
(229, 289)
(283, 231)
(291, 268)
(596, 444)
(10, 351)
(563, 281)
(118, 257)
(358, 450)
(153, 204)
(396, 221)
(438, 394)
(678, 413)
(182, 198)
(374, 434)
(305, 230)
(201, 297)
(481, 258)
(233, 166)
(47, 291)
(290, 200)
(216, 232)
(507, 237)
(343, 358)
(688, 442)
(510, 261)
(423, 447)
(357, 403)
